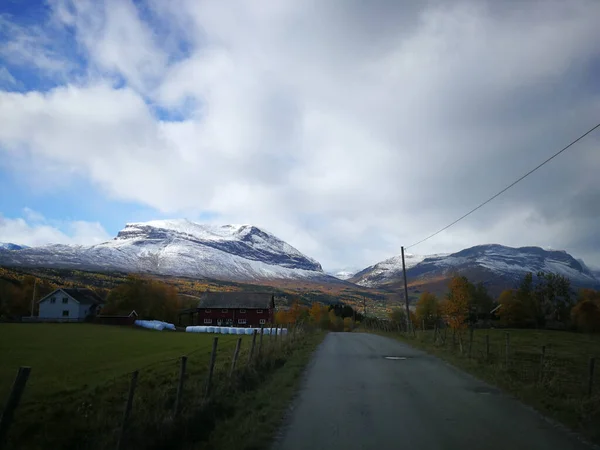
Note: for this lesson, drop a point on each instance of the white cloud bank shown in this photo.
(34, 230)
(346, 128)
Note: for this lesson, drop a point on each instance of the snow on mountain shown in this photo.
(344, 274)
(490, 260)
(179, 247)
(10, 246)
(387, 270)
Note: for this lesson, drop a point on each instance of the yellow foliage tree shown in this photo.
(427, 310)
(456, 306)
(586, 313)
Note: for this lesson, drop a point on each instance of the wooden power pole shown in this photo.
(405, 293)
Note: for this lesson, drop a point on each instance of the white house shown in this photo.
(70, 304)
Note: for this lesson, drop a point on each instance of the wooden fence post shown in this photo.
(211, 367)
(470, 341)
(235, 356)
(13, 401)
(128, 406)
(180, 386)
(507, 347)
(591, 376)
(251, 354)
(487, 346)
(260, 342)
(542, 358)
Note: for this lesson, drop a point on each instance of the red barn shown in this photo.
(233, 309)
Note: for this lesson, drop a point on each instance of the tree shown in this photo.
(586, 313)
(398, 316)
(552, 297)
(427, 310)
(348, 323)
(458, 300)
(512, 311)
(281, 317)
(481, 303)
(151, 299)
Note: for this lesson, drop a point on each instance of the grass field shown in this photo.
(556, 384)
(80, 377)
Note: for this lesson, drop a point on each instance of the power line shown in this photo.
(506, 188)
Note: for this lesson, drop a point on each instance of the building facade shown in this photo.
(70, 304)
(232, 309)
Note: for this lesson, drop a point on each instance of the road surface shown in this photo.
(355, 398)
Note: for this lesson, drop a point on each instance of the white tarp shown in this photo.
(155, 325)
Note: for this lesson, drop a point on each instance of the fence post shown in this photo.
(542, 358)
(128, 406)
(487, 346)
(235, 356)
(260, 342)
(251, 354)
(13, 401)
(180, 386)
(470, 341)
(507, 347)
(591, 376)
(211, 367)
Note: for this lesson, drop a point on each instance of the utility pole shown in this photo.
(364, 306)
(33, 296)
(405, 293)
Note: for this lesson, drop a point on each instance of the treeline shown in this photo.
(332, 317)
(543, 301)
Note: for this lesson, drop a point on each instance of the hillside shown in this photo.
(179, 248)
(495, 265)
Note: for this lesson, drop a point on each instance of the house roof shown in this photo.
(248, 300)
(84, 296)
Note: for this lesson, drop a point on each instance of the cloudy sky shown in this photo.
(346, 128)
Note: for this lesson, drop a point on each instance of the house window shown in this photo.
(52, 300)
(242, 321)
(263, 321)
(66, 313)
(208, 311)
(207, 320)
(65, 300)
(242, 311)
(223, 310)
(259, 311)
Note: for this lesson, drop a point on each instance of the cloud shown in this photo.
(347, 130)
(34, 230)
(6, 78)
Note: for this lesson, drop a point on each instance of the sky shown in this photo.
(346, 128)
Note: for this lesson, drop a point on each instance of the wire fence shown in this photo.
(156, 406)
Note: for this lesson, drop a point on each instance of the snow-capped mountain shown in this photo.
(480, 263)
(179, 247)
(11, 246)
(388, 270)
(344, 274)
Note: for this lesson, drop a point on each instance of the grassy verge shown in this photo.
(76, 393)
(556, 384)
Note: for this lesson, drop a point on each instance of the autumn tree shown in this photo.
(427, 310)
(398, 316)
(586, 313)
(456, 306)
(151, 299)
(512, 311)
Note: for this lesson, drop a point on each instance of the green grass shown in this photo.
(557, 387)
(80, 377)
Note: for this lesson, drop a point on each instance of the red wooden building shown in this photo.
(232, 309)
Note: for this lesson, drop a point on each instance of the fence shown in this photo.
(167, 401)
(564, 362)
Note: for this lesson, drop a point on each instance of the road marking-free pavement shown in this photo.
(356, 395)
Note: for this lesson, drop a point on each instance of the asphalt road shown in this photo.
(355, 398)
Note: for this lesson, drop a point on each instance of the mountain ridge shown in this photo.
(179, 247)
(488, 262)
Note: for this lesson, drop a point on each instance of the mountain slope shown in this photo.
(494, 264)
(10, 246)
(179, 247)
